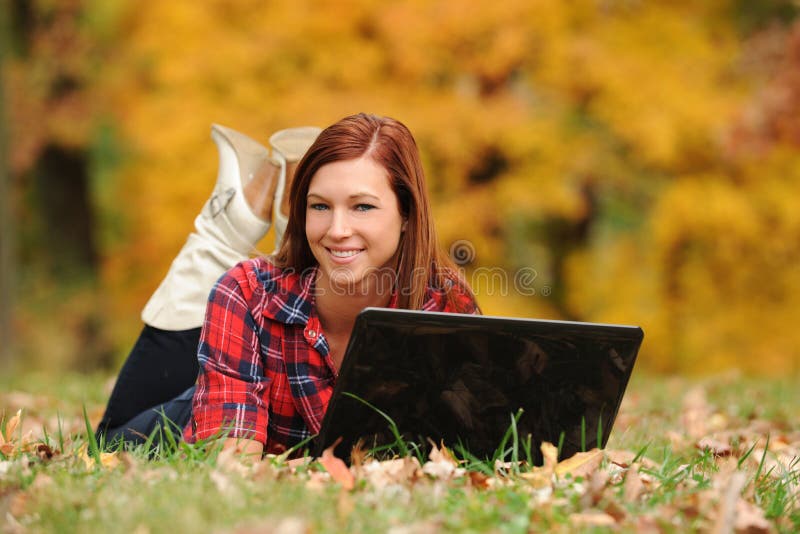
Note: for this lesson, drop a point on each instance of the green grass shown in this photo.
(191, 487)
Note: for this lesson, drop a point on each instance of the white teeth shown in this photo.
(344, 253)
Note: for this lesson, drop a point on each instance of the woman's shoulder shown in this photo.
(258, 276)
(268, 290)
(451, 294)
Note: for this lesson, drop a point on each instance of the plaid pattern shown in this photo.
(265, 369)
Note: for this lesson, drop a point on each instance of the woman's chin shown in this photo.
(347, 281)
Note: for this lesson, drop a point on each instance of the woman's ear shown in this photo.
(405, 224)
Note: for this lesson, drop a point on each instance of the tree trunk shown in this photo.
(6, 223)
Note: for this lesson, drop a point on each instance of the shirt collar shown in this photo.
(289, 297)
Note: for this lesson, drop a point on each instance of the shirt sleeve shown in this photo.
(232, 394)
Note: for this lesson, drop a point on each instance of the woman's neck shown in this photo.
(337, 307)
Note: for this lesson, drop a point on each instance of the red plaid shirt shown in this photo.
(265, 369)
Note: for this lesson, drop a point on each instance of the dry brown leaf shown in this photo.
(41, 482)
(592, 519)
(441, 454)
(647, 524)
(478, 480)
(317, 480)
(418, 527)
(220, 480)
(550, 456)
(634, 487)
(442, 469)
(395, 471)
(291, 525)
(11, 426)
(620, 457)
(108, 460)
(337, 468)
(718, 448)
(17, 504)
(595, 488)
(696, 413)
(264, 470)
(345, 505)
(441, 464)
(231, 460)
(750, 519)
(45, 451)
(358, 455)
(614, 509)
(625, 459)
(298, 462)
(726, 512)
(582, 464)
(542, 477)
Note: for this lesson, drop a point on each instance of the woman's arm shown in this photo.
(249, 448)
(232, 395)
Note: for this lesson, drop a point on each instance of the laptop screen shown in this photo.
(459, 379)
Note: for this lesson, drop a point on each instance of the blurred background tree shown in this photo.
(636, 161)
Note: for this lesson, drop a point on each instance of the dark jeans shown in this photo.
(157, 380)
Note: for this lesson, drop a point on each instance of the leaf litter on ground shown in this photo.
(723, 473)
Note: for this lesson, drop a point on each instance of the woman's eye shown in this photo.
(318, 206)
(364, 207)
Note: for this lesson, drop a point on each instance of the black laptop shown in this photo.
(460, 379)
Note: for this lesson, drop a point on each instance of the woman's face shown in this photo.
(353, 222)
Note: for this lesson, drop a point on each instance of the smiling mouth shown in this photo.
(344, 253)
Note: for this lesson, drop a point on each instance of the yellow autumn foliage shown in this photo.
(582, 143)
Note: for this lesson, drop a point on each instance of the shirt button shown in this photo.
(312, 333)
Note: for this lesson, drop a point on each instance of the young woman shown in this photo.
(359, 234)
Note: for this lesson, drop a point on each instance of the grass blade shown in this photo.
(94, 447)
(392, 425)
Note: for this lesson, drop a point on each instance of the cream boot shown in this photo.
(288, 148)
(226, 231)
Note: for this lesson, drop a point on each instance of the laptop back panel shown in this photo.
(459, 379)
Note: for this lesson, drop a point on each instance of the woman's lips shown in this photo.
(344, 255)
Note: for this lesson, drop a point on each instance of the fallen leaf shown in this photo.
(478, 480)
(345, 505)
(40, 482)
(11, 425)
(395, 471)
(220, 480)
(291, 525)
(634, 487)
(592, 519)
(750, 518)
(298, 462)
(441, 464)
(581, 464)
(542, 477)
(717, 448)
(230, 460)
(337, 468)
(550, 456)
(45, 452)
(317, 480)
(594, 490)
(441, 454)
(726, 512)
(696, 412)
(626, 458)
(109, 460)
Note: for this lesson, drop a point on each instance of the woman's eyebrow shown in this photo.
(364, 194)
(354, 195)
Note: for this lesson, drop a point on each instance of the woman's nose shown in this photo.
(340, 224)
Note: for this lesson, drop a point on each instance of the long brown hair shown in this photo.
(390, 144)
